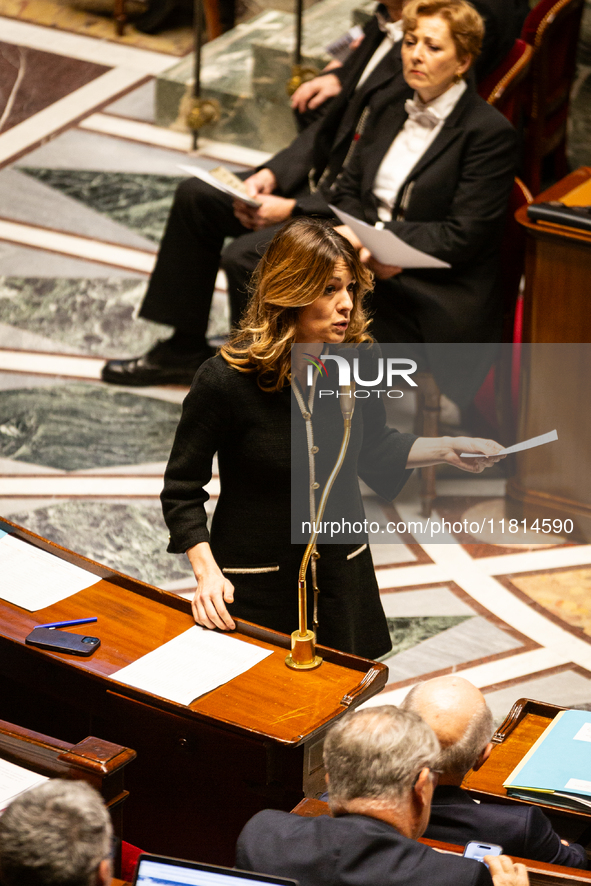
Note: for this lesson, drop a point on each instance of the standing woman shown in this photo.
(309, 288)
(437, 171)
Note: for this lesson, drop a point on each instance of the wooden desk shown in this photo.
(202, 770)
(555, 481)
(517, 733)
(540, 873)
(94, 760)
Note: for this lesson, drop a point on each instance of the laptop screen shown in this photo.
(158, 870)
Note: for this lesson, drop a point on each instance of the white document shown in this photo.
(15, 780)
(387, 247)
(519, 447)
(192, 664)
(33, 579)
(205, 176)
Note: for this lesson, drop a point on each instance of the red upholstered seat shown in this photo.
(507, 87)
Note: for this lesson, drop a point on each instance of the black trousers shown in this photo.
(192, 249)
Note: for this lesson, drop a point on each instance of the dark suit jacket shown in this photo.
(263, 453)
(351, 850)
(322, 147)
(521, 830)
(456, 203)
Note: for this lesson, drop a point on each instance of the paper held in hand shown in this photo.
(224, 180)
(387, 247)
(519, 447)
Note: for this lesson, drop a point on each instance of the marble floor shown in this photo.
(86, 180)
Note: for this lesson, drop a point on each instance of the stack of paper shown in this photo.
(192, 664)
(34, 579)
(15, 780)
(557, 769)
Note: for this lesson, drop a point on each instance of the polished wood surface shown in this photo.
(554, 481)
(540, 873)
(557, 271)
(513, 739)
(257, 739)
(99, 762)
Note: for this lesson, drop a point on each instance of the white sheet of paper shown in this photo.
(33, 579)
(519, 447)
(192, 664)
(204, 175)
(15, 780)
(387, 247)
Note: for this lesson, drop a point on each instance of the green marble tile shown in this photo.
(408, 632)
(130, 538)
(78, 426)
(140, 202)
(95, 316)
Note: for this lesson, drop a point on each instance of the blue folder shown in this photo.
(557, 768)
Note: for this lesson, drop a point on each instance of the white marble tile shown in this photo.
(17, 339)
(387, 555)
(81, 486)
(65, 111)
(22, 261)
(24, 198)
(139, 131)
(82, 247)
(431, 601)
(137, 104)
(89, 49)
(526, 561)
(50, 364)
(566, 689)
(465, 642)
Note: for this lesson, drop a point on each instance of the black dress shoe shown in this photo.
(160, 366)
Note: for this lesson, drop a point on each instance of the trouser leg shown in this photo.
(181, 286)
(239, 259)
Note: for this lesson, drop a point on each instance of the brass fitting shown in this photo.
(202, 112)
(300, 74)
(303, 654)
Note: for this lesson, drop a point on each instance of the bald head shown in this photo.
(458, 714)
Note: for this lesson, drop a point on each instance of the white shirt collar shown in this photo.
(444, 104)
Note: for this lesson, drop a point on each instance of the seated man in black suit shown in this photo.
(181, 287)
(457, 712)
(379, 764)
(57, 834)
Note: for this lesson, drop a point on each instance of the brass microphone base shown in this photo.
(303, 652)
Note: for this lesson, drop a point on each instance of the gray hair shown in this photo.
(460, 757)
(56, 834)
(377, 753)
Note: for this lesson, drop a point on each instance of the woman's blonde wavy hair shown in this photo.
(294, 271)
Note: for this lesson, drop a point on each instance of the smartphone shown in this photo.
(477, 851)
(62, 641)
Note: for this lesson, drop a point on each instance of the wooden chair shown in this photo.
(428, 393)
(506, 88)
(552, 29)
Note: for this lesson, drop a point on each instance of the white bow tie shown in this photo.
(418, 113)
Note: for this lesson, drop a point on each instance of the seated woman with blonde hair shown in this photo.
(309, 288)
(437, 171)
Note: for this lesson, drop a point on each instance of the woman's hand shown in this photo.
(381, 271)
(427, 451)
(213, 590)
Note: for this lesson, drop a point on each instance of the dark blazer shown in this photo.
(456, 202)
(523, 831)
(350, 850)
(323, 146)
(502, 25)
(260, 439)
